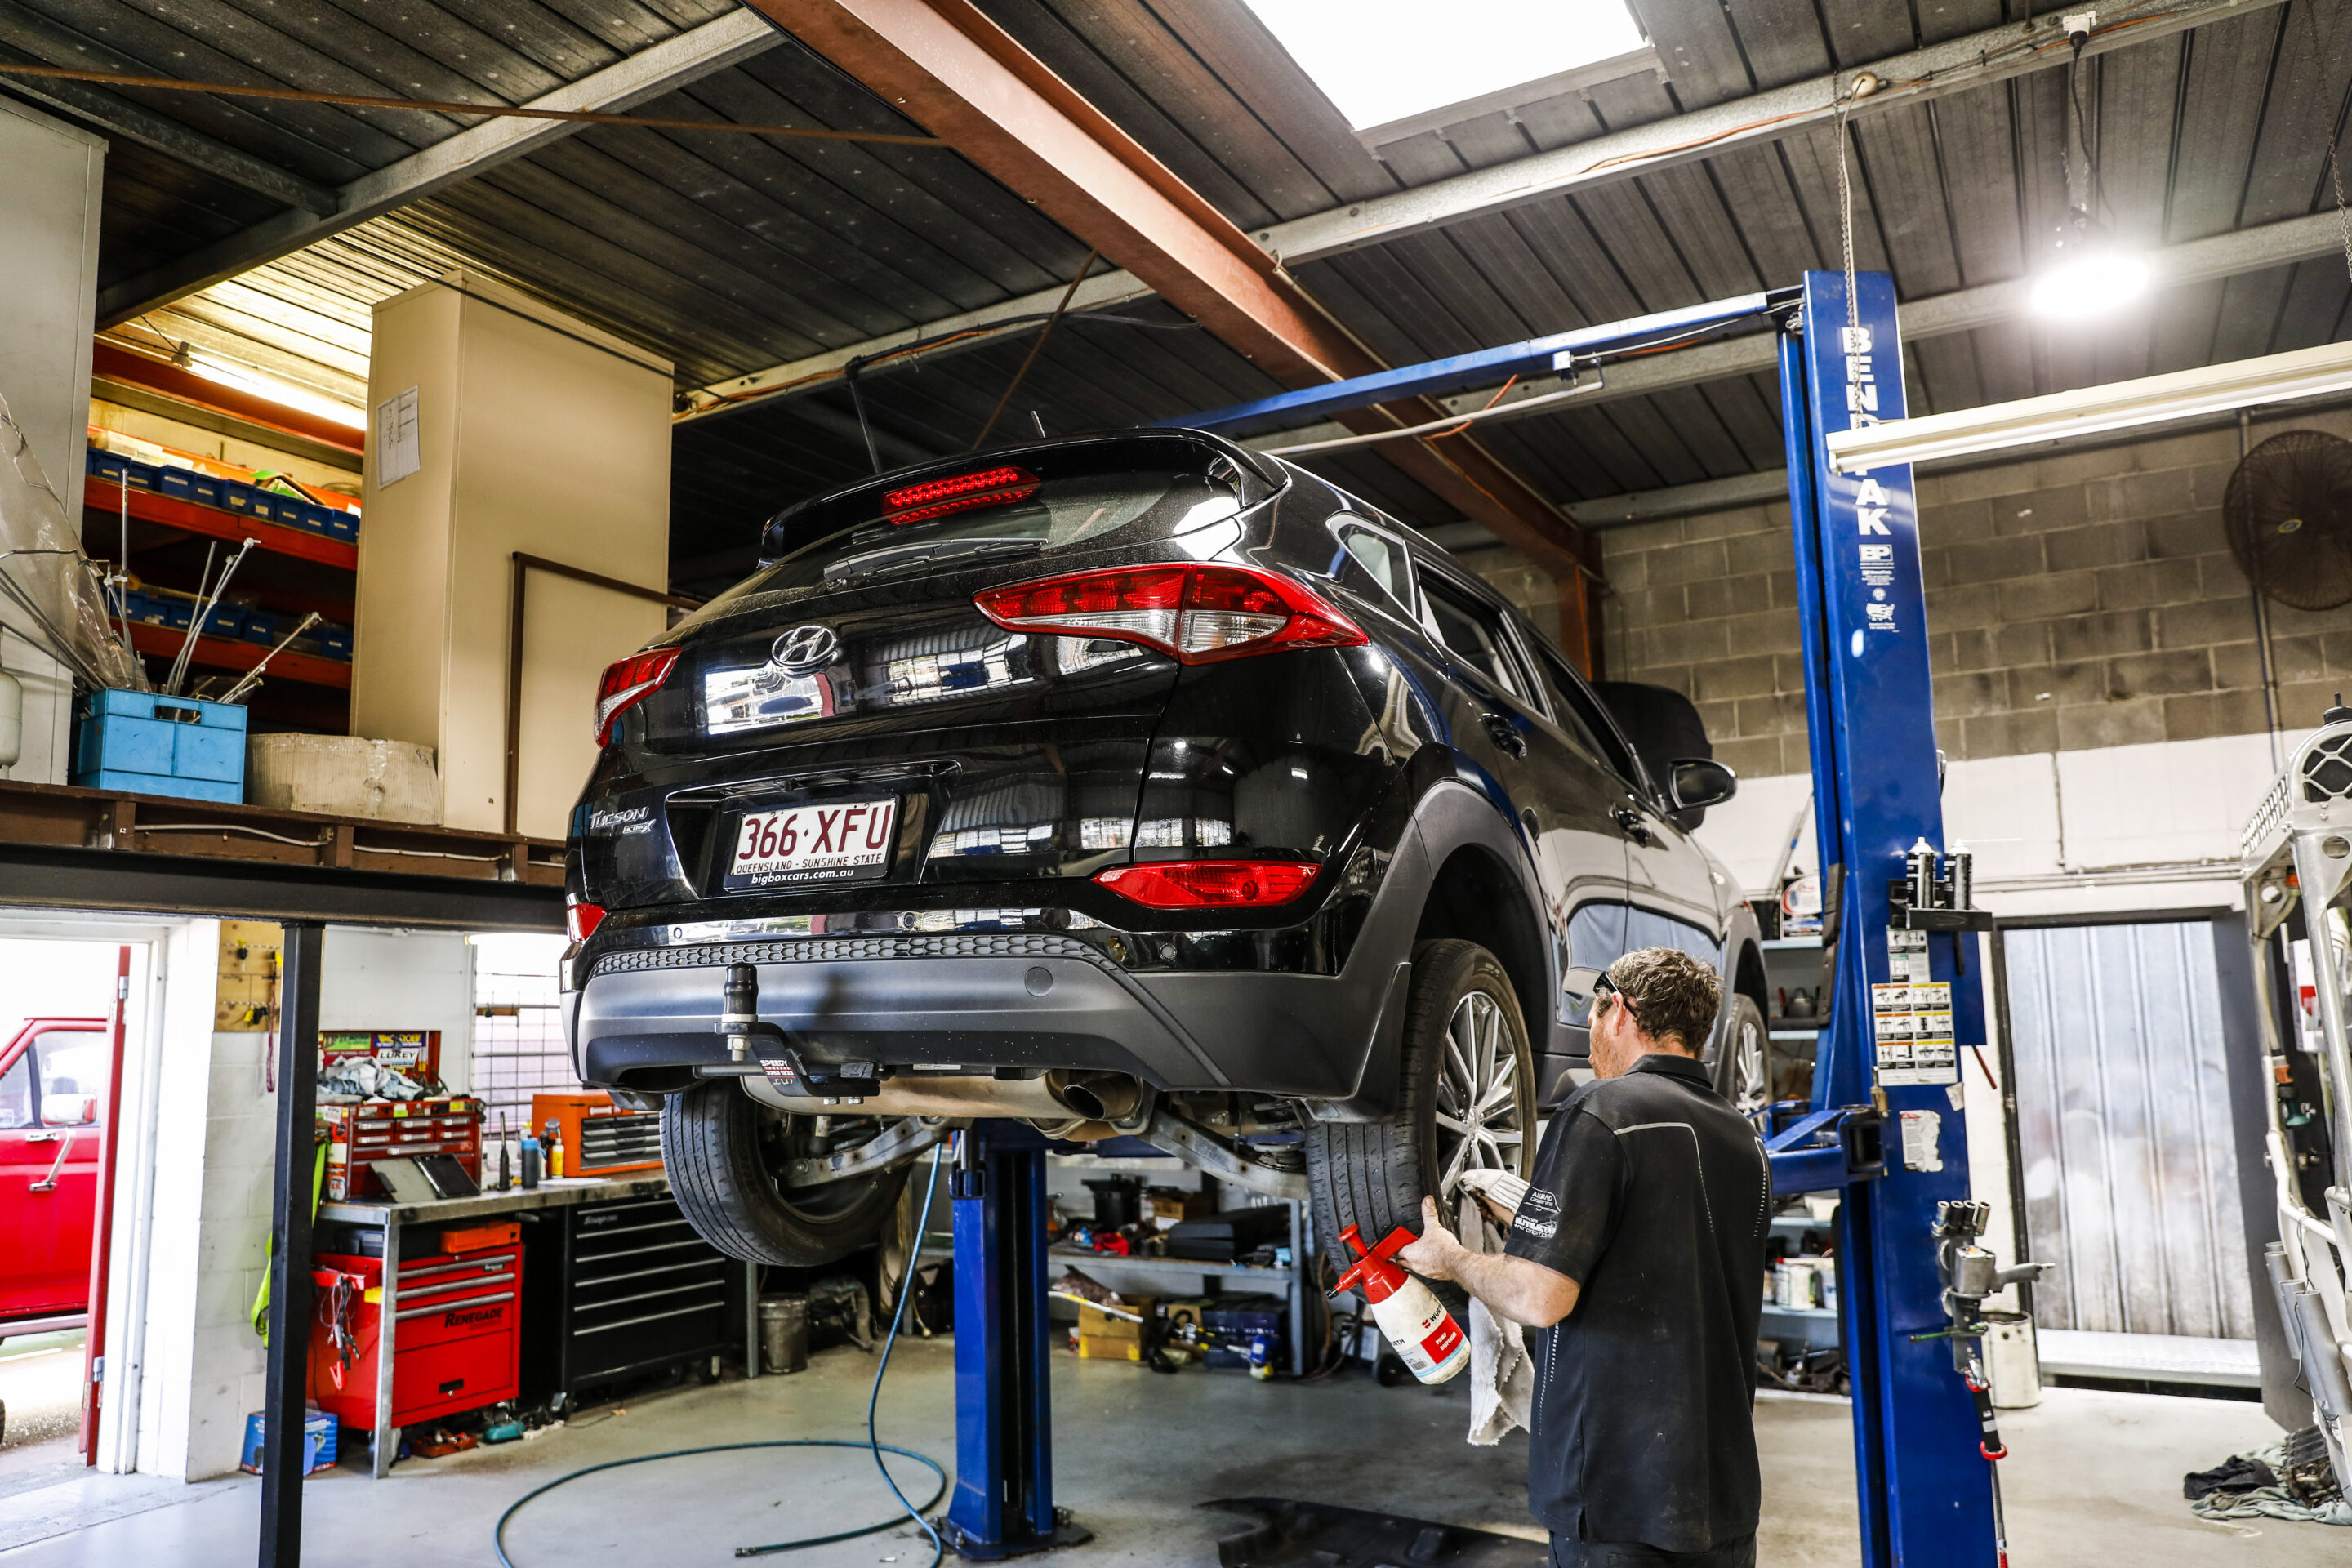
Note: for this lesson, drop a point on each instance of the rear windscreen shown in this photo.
(1027, 507)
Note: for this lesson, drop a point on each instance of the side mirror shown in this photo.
(1577, 985)
(1698, 783)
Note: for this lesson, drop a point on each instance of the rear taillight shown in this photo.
(581, 920)
(965, 492)
(1205, 884)
(1198, 613)
(630, 682)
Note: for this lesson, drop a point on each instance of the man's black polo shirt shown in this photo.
(1654, 1196)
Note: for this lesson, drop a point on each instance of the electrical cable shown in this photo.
(872, 1444)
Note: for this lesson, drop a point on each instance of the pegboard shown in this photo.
(246, 999)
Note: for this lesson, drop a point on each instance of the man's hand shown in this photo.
(1432, 1256)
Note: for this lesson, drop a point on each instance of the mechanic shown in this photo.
(1639, 1248)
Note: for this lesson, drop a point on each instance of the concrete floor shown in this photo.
(2095, 1478)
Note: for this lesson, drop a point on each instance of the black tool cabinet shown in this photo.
(614, 1290)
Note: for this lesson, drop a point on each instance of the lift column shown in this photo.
(1003, 1500)
(1926, 1488)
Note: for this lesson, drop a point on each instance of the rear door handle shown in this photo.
(1630, 820)
(1505, 734)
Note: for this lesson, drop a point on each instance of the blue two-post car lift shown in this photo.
(1885, 1127)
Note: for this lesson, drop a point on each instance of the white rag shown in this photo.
(1502, 1373)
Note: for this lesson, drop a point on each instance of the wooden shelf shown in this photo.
(225, 653)
(105, 498)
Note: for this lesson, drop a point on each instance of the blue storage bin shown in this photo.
(238, 496)
(224, 621)
(140, 476)
(152, 744)
(160, 609)
(342, 524)
(334, 642)
(104, 465)
(263, 627)
(178, 483)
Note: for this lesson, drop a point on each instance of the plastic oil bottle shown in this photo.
(1416, 1323)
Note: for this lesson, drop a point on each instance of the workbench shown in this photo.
(391, 1218)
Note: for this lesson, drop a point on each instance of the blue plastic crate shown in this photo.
(238, 496)
(105, 465)
(263, 627)
(342, 524)
(334, 642)
(160, 609)
(225, 621)
(150, 744)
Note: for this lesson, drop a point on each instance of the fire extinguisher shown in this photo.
(1416, 1321)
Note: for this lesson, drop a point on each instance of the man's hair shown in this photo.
(1674, 998)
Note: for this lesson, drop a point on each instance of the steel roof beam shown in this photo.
(676, 62)
(945, 65)
(1976, 60)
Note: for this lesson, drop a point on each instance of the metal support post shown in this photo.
(285, 1406)
(1003, 1500)
(1926, 1497)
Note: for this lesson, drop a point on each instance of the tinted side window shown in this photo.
(1475, 633)
(1581, 714)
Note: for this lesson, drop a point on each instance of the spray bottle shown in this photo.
(1416, 1323)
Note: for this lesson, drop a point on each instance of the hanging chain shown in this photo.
(1845, 207)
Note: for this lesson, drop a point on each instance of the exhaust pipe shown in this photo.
(1064, 1104)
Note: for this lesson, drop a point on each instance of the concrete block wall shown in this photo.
(2079, 600)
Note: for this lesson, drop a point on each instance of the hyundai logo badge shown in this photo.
(804, 648)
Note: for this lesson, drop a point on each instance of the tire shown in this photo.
(722, 1151)
(1743, 1068)
(1372, 1174)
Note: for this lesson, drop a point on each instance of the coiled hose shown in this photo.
(872, 1444)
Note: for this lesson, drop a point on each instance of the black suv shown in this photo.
(1134, 783)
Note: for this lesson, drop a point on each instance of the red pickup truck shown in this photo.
(53, 1074)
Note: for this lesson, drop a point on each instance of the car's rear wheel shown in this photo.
(1466, 1100)
(728, 1158)
(1743, 1070)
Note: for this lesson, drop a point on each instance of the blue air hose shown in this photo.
(872, 1444)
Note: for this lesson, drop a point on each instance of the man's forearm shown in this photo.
(1525, 1293)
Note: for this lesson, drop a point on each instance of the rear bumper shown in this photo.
(1028, 1000)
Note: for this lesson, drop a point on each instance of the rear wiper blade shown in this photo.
(896, 557)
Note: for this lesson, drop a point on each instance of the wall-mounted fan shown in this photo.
(2288, 514)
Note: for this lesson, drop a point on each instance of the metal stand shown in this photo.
(285, 1404)
(1003, 1500)
(1926, 1488)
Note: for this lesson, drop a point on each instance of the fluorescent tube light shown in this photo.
(2088, 411)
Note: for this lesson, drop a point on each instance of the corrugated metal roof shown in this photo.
(731, 253)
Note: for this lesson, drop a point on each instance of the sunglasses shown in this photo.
(1604, 988)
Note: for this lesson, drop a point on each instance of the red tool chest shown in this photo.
(360, 1135)
(457, 1341)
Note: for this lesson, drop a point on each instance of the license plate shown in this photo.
(839, 842)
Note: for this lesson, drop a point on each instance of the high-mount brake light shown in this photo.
(628, 682)
(1211, 884)
(1198, 614)
(580, 920)
(1005, 486)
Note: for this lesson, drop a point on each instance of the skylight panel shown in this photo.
(1385, 61)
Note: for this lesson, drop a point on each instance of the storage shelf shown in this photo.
(225, 653)
(1185, 1266)
(105, 497)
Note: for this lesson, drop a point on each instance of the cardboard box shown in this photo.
(319, 1440)
(1095, 1323)
(1186, 1311)
(1097, 1347)
(1164, 1207)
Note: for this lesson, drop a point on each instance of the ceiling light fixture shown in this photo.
(2092, 277)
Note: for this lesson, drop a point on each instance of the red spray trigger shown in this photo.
(1375, 1270)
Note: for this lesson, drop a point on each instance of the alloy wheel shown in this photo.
(1481, 1125)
